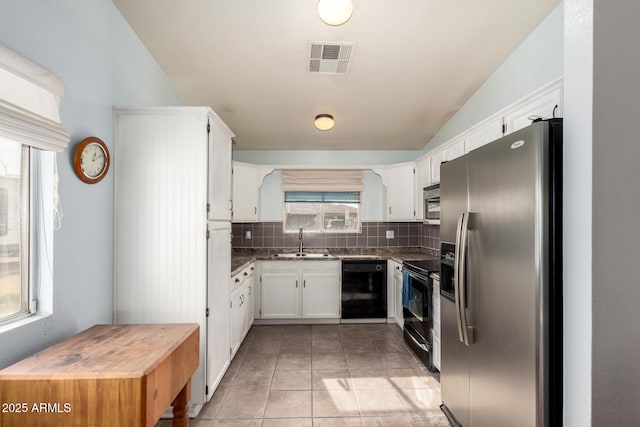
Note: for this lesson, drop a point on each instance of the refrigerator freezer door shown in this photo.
(453, 196)
(504, 263)
(454, 364)
(454, 373)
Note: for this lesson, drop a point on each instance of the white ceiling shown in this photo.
(415, 64)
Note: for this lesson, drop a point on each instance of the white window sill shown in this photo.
(27, 320)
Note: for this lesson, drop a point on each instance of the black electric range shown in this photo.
(417, 307)
(423, 267)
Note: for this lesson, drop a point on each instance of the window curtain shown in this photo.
(29, 103)
(323, 180)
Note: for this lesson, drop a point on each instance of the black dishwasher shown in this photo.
(364, 289)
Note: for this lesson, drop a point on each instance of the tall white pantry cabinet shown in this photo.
(172, 249)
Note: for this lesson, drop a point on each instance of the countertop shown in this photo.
(241, 257)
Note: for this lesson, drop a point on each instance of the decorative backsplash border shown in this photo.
(373, 235)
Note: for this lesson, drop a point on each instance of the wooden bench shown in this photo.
(108, 375)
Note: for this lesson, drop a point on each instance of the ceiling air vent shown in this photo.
(330, 57)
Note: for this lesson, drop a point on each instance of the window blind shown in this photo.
(322, 196)
(29, 103)
(322, 180)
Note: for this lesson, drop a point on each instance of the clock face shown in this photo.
(93, 160)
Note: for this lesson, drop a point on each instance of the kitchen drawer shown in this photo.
(241, 277)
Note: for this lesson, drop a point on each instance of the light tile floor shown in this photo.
(324, 376)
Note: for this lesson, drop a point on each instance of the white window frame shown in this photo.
(321, 213)
(29, 115)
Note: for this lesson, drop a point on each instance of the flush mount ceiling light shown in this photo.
(335, 12)
(323, 122)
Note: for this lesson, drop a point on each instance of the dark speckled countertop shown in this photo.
(241, 257)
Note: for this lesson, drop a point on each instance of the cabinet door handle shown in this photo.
(296, 283)
(255, 210)
(237, 280)
(389, 209)
(304, 283)
(246, 274)
(249, 290)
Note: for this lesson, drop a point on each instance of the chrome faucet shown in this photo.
(300, 248)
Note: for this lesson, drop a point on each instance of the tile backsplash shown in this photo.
(271, 235)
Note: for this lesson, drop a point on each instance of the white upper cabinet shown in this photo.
(454, 150)
(423, 179)
(399, 180)
(245, 192)
(545, 106)
(545, 102)
(437, 157)
(219, 170)
(449, 151)
(484, 134)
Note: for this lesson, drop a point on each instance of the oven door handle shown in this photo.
(456, 276)
(413, 275)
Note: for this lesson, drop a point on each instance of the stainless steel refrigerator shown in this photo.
(501, 281)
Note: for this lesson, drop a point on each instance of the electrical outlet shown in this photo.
(247, 235)
(389, 234)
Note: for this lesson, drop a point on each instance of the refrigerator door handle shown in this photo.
(467, 328)
(456, 276)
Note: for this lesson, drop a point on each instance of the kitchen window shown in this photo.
(14, 229)
(322, 212)
(30, 134)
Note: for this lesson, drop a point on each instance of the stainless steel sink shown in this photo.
(304, 256)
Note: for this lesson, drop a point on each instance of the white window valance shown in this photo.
(322, 180)
(29, 103)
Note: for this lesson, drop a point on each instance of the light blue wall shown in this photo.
(318, 157)
(537, 61)
(101, 63)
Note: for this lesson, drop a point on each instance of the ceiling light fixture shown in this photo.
(335, 12)
(323, 122)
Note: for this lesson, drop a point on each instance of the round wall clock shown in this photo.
(91, 160)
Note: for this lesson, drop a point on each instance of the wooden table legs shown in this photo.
(181, 406)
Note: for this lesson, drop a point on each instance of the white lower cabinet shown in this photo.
(321, 290)
(435, 332)
(280, 294)
(394, 271)
(240, 308)
(300, 290)
(235, 321)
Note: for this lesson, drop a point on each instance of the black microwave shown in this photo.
(432, 204)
